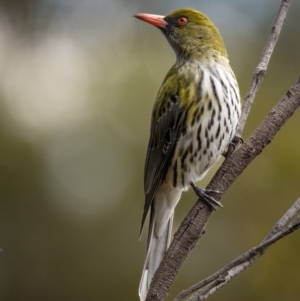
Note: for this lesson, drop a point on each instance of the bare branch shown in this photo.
(239, 264)
(260, 71)
(285, 220)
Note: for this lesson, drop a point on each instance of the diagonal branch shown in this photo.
(212, 283)
(285, 220)
(260, 71)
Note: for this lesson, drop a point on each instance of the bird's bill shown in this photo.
(154, 20)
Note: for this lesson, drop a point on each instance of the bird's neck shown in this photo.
(203, 57)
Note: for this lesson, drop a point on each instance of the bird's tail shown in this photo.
(157, 247)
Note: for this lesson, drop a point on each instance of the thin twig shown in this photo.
(239, 264)
(284, 221)
(253, 255)
(260, 71)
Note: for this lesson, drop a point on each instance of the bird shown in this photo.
(194, 119)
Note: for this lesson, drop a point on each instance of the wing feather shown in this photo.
(165, 132)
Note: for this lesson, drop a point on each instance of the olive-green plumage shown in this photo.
(194, 118)
(199, 39)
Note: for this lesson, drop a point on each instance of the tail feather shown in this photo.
(157, 247)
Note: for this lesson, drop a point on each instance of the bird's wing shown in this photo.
(166, 128)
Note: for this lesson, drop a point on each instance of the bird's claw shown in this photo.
(232, 145)
(201, 193)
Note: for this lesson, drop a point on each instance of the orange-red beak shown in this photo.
(154, 20)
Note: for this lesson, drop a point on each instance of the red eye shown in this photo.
(182, 20)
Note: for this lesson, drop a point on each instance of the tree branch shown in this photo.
(281, 229)
(260, 71)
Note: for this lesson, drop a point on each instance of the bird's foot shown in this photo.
(237, 140)
(232, 145)
(201, 193)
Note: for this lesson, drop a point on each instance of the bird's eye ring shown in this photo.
(182, 21)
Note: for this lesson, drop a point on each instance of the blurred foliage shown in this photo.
(77, 84)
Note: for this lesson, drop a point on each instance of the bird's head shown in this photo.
(190, 33)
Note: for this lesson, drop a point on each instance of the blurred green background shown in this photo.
(77, 83)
